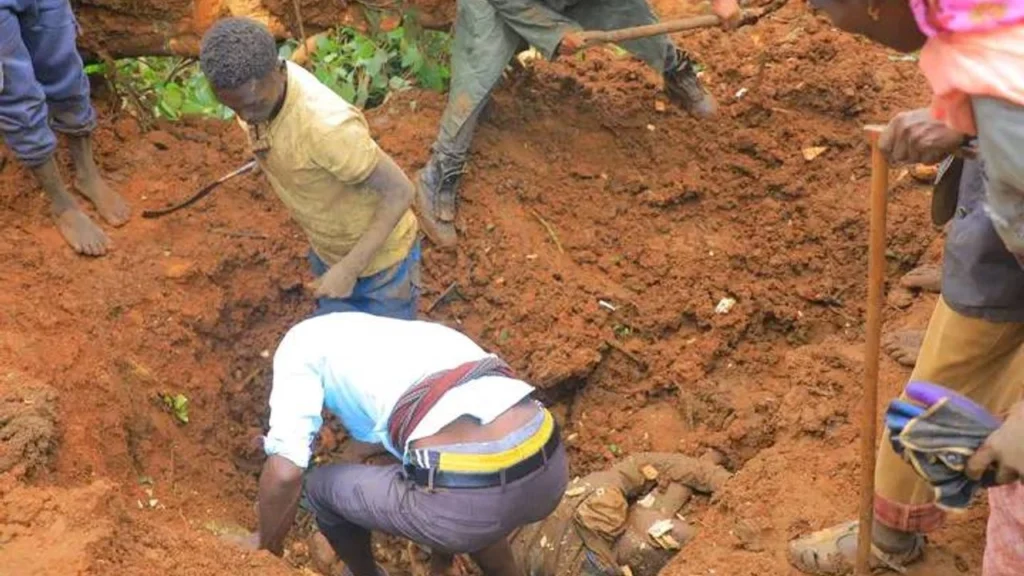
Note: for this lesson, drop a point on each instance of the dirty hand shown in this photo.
(728, 11)
(571, 43)
(244, 541)
(916, 137)
(338, 282)
(1004, 449)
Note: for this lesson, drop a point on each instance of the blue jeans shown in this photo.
(42, 82)
(393, 292)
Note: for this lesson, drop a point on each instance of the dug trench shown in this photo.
(600, 231)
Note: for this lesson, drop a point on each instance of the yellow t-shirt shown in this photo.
(320, 154)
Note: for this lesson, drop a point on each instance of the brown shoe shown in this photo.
(684, 88)
(436, 200)
(833, 551)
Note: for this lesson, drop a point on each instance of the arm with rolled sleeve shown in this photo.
(349, 152)
(296, 401)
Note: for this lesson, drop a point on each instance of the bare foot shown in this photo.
(81, 233)
(904, 346)
(900, 297)
(109, 204)
(927, 277)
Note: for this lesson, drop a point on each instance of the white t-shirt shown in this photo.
(358, 366)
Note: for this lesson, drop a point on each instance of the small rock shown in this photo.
(179, 269)
(725, 305)
(813, 152)
(651, 128)
(659, 106)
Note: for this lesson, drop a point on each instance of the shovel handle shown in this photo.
(594, 37)
(869, 406)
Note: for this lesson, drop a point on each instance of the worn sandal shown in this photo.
(831, 552)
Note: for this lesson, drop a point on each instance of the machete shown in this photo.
(248, 167)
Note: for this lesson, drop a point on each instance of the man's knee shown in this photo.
(318, 488)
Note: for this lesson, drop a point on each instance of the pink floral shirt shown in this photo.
(938, 16)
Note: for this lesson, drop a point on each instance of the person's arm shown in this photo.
(350, 153)
(296, 400)
(396, 193)
(280, 488)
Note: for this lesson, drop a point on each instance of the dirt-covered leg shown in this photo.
(78, 230)
(88, 181)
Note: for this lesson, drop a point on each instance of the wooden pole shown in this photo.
(591, 38)
(869, 408)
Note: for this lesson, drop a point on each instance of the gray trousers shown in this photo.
(357, 497)
(488, 33)
(1001, 140)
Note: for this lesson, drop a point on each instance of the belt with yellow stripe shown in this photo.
(433, 469)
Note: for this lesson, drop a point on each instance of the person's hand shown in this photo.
(249, 542)
(338, 282)
(728, 11)
(1004, 449)
(571, 43)
(916, 137)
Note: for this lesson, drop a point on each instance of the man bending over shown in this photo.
(478, 456)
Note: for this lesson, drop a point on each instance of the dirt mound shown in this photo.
(28, 425)
(670, 284)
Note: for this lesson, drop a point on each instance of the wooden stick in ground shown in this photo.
(869, 408)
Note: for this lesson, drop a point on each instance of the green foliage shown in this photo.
(361, 69)
(177, 405)
(364, 69)
(166, 87)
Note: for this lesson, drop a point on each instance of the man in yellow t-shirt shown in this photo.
(348, 195)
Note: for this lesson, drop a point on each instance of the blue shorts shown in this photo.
(393, 292)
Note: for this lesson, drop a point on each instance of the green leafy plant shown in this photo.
(364, 69)
(178, 405)
(165, 87)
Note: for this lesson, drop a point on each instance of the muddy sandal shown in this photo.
(831, 552)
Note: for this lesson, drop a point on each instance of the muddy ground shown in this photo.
(651, 211)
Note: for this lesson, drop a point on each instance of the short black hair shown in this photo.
(235, 51)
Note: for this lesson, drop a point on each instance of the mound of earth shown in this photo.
(28, 425)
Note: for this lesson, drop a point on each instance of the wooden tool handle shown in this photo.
(594, 37)
(869, 406)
